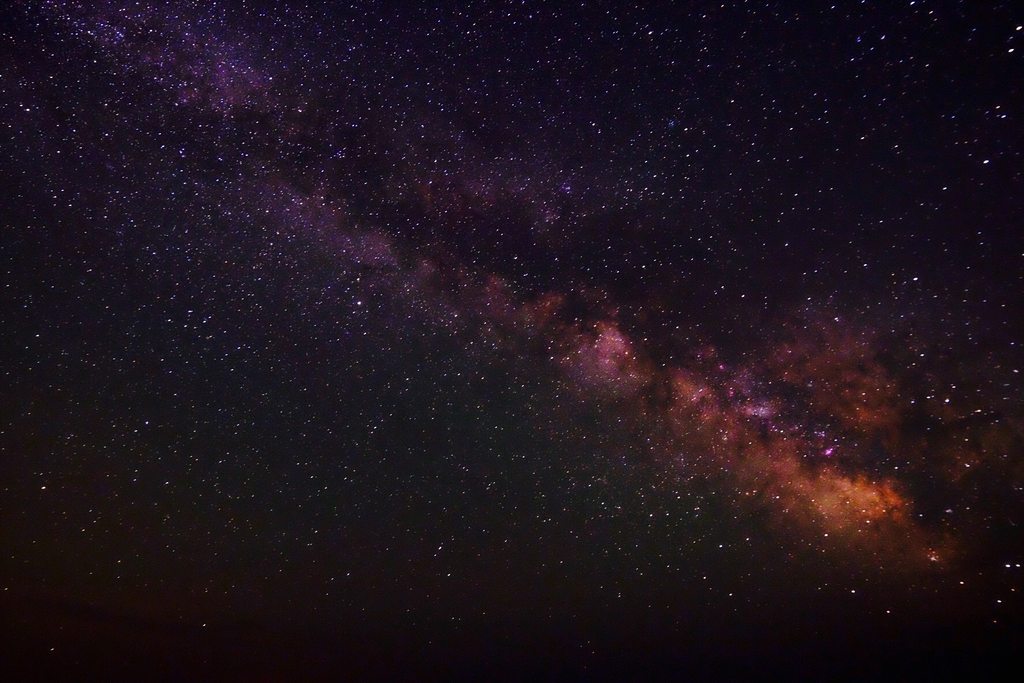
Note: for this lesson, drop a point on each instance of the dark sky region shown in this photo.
(529, 341)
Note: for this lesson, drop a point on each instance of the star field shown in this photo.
(516, 340)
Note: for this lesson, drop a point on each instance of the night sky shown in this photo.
(519, 340)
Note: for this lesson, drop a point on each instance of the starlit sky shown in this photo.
(433, 341)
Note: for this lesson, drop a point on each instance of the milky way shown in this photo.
(386, 340)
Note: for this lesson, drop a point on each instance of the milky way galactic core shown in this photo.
(392, 340)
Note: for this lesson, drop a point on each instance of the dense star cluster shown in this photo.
(392, 340)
